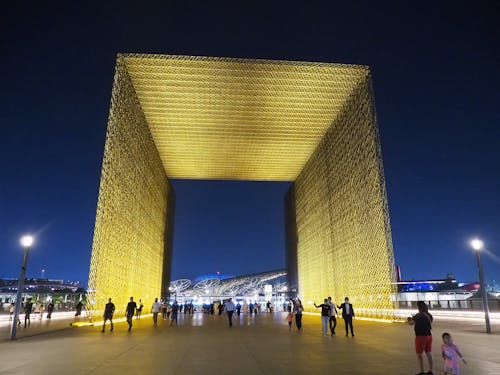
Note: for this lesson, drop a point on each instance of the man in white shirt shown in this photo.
(333, 318)
(229, 307)
(155, 309)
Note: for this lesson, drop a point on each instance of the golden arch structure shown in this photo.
(226, 118)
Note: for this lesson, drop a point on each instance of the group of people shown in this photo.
(422, 322)
(329, 316)
(30, 308)
(135, 309)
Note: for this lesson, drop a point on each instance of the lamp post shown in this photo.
(478, 245)
(26, 243)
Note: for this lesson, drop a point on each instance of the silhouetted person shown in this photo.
(238, 309)
(109, 310)
(79, 306)
(298, 313)
(138, 312)
(174, 313)
(155, 309)
(347, 315)
(229, 306)
(50, 309)
(164, 308)
(131, 306)
(28, 308)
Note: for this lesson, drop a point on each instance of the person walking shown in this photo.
(289, 319)
(164, 307)
(238, 309)
(138, 312)
(173, 313)
(333, 317)
(298, 314)
(423, 336)
(347, 315)
(50, 309)
(109, 310)
(325, 316)
(11, 311)
(229, 307)
(79, 306)
(155, 309)
(38, 310)
(12, 307)
(130, 311)
(28, 308)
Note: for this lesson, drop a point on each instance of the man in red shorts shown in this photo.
(423, 336)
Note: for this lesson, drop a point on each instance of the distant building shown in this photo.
(64, 293)
(444, 293)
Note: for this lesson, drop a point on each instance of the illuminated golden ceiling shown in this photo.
(225, 118)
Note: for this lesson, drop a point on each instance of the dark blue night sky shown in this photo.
(437, 88)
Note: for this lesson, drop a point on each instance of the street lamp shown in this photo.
(26, 243)
(478, 246)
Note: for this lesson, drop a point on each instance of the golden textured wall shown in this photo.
(344, 245)
(129, 236)
(209, 118)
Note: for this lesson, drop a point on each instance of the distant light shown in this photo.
(477, 244)
(27, 241)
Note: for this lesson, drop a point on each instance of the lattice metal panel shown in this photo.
(221, 118)
(344, 243)
(224, 118)
(128, 246)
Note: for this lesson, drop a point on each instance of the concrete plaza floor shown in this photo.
(204, 344)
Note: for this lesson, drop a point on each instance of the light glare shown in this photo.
(27, 241)
(477, 244)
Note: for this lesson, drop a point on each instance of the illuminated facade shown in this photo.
(223, 118)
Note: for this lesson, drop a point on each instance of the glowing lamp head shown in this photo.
(27, 241)
(477, 244)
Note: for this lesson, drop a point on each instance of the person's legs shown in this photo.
(420, 343)
(333, 324)
(430, 361)
(420, 362)
(350, 325)
(325, 320)
(230, 318)
(129, 320)
(346, 322)
(298, 320)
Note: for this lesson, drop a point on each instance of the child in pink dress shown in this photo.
(289, 318)
(450, 354)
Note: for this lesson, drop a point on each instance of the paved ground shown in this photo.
(204, 344)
